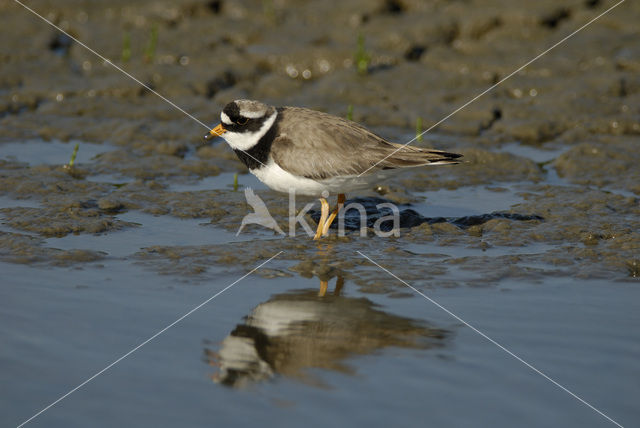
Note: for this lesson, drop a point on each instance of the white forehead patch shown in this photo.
(252, 114)
(225, 119)
(251, 109)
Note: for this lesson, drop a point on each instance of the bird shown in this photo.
(312, 153)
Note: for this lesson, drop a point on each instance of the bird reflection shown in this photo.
(304, 329)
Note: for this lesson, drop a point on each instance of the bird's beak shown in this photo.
(215, 132)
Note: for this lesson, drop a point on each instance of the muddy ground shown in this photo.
(560, 138)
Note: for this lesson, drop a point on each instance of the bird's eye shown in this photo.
(242, 121)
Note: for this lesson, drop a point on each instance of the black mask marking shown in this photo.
(248, 125)
(258, 155)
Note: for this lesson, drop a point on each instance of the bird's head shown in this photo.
(243, 123)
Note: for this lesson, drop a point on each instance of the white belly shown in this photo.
(282, 181)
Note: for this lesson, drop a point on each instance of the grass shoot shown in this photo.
(362, 57)
(126, 47)
(150, 51)
(72, 160)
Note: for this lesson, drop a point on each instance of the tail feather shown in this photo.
(409, 156)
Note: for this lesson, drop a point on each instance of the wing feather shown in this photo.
(317, 145)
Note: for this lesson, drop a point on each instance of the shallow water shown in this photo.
(466, 201)
(221, 182)
(271, 348)
(152, 230)
(38, 152)
(580, 333)
(369, 351)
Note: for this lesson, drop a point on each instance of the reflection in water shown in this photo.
(305, 329)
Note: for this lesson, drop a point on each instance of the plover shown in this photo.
(314, 153)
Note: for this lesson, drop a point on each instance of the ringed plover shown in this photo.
(315, 153)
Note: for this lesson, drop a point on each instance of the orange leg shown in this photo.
(332, 217)
(325, 284)
(323, 218)
(323, 288)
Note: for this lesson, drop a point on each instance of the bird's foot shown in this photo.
(334, 214)
(323, 218)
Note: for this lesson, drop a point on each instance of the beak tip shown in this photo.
(215, 132)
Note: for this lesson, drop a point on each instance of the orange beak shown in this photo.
(215, 132)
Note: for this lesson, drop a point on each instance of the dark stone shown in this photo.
(393, 7)
(555, 18)
(215, 6)
(224, 81)
(415, 52)
(61, 44)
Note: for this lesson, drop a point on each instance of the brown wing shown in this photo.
(317, 145)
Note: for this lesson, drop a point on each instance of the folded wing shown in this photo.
(317, 145)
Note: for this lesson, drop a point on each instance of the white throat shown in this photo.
(245, 141)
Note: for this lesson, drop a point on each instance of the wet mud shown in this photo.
(422, 60)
